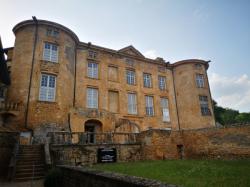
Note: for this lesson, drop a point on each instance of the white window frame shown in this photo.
(132, 103)
(162, 82)
(92, 98)
(49, 52)
(149, 103)
(147, 80)
(130, 76)
(47, 93)
(92, 69)
(200, 81)
(165, 109)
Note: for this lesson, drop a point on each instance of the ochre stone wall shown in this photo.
(231, 142)
(87, 154)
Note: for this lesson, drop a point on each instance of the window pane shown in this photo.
(205, 111)
(92, 70)
(92, 98)
(50, 52)
(130, 77)
(200, 81)
(165, 110)
(47, 88)
(147, 80)
(162, 82)
(132, 103)
(149, 106)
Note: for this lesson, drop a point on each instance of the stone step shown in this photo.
(29, 166)
(29, 163)
(29, 174)
(31, 158)
(29, 178)
(29, 170)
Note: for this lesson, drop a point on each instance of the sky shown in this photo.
(216, 30)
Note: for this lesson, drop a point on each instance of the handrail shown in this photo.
(12, 165)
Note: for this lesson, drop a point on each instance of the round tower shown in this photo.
(194, 102)
(43, 72)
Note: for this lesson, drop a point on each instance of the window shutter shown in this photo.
(113, 101)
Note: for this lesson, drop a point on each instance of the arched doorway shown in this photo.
(91, 127)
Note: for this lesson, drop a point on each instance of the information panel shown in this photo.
(106, 155)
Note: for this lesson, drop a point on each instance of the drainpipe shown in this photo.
(177, 112)
(74, 97)
(31, 71)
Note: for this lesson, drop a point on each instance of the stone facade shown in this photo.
(69, 108)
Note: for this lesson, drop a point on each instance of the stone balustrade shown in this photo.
(9, 106)
(83, 138)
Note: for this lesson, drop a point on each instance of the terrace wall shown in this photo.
(212, 143)
(228, 143)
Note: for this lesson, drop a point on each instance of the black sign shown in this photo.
(106, 155)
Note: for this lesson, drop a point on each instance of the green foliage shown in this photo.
(188, 173)
(226, 116)
(54, 178)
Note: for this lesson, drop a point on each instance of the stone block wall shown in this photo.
(87, 154)
(81, 177)
(228, 143)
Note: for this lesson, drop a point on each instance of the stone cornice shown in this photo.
(48, 23)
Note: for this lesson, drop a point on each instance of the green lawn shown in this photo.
(197, 173)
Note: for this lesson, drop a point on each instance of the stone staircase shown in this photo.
(30, 163)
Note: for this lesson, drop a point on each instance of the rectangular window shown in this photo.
(130, 74)
(47, 88)
(165, 110)
(113, 101)
(147, 79)
(113, 73)
(50, 52)
(200, 81)
(92, 98)
(205, 111)
(162, 82)
(132, 103)
(149, 105)
(93, 70)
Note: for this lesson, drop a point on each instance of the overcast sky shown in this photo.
(216, 30)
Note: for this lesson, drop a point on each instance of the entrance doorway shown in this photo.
(180, 150)
(91, 127)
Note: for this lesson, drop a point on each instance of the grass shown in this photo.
(188, 173)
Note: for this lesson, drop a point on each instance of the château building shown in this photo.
(61, 83)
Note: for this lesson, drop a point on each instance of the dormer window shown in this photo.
(52, 32)
(93, 54)
(198, 66)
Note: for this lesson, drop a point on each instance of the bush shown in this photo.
(54, 178)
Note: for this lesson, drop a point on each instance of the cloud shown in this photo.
(151, 54)
(232, 92)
